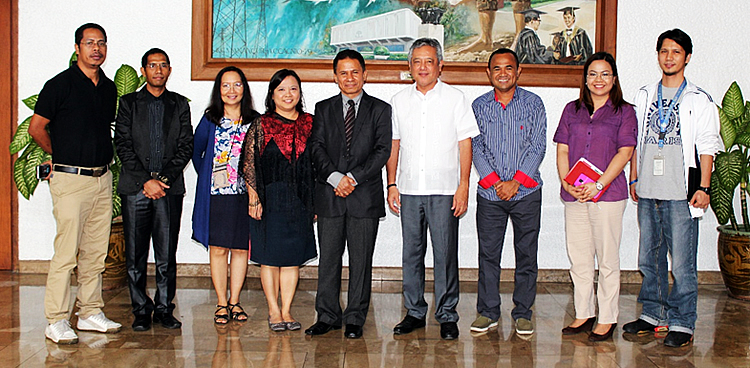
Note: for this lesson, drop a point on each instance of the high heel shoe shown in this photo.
(606, 336)
(584, 327)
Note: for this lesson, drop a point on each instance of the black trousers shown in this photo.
(144, 220)
(358, 235)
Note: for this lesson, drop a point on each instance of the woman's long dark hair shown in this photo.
(276, 79)
(615, 95)
(215, 109)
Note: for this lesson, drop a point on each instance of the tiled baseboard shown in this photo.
(390, 273)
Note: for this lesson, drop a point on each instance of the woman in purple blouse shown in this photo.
(600, 127)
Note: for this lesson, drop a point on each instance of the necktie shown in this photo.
(349, 123)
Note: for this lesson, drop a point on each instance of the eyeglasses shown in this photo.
(603, 75)
(155, 65)
(91, 43)
(227, 86)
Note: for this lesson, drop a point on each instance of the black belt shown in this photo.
(80, 171)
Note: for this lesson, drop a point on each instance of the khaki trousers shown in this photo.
(82, 206)
(593, 231)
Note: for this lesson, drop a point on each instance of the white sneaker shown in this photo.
(98, 322)
(60, 332)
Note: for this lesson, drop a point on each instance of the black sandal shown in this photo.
(221, 319)
(236, 315)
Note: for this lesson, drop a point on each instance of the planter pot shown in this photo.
(115, 271)
(734, 261)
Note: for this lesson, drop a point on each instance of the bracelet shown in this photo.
(390, 185)
(633, 182)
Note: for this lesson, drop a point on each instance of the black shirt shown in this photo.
(155, 118)
(80, 115)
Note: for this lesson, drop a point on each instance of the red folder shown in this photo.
(585, 172)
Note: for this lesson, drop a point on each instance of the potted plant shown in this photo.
(732, 169)
(30, 155)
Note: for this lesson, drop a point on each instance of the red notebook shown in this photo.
(585, 172)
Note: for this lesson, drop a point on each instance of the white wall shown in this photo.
(46, 30)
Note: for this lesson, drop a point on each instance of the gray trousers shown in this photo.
(418, 214)
(492, 221)
(358, 235)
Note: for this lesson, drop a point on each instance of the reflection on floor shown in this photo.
(722, 338)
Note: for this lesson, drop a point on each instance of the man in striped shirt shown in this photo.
(507, 154)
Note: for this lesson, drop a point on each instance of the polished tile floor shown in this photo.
(722, 338)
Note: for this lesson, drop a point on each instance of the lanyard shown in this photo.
(664, 120)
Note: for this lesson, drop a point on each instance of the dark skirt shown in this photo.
(229, 222)
(284, 235)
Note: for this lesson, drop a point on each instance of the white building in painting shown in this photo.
(394, 30)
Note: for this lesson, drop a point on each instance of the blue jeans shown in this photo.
(666, 226)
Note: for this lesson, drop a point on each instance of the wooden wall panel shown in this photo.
(8, 123)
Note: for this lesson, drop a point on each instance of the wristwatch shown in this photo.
(706, 190)
(164, 179)
(599, 186)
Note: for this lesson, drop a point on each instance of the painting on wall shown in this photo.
(262, 36)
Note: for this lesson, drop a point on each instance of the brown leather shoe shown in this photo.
(584, 327)
(606, 336)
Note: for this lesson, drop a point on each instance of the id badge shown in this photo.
(658, 165)
(220, 176)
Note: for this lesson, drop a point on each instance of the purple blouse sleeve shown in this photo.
(627, 134)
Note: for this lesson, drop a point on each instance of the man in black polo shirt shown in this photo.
(78, 106)
(154, 139)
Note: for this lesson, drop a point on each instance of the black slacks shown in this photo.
(144, 220)
(358, 235)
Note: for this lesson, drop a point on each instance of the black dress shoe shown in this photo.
(449, 330)
(320, 328)
(638, 326)
(584, 327)
(353, 331)
(142, 322)
(408, 325)
(607, 335)
(676, 339)
(167, 320)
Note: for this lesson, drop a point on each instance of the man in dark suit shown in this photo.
(154, 140)
(350, 143)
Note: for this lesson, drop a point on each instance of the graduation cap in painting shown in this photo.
(532, 13)
(568, 10)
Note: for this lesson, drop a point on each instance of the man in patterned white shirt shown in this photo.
(431, 151)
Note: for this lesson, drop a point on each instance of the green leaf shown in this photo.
(73, 59)
(729, 169)
(30, 101)
(721, 200)
(34, 159)
(726, 129)
(126, 80)
(18, 170)
(743, 139)
(21, 138)
(745, 119)
(116, 203)
(141, 80)
(733, 104)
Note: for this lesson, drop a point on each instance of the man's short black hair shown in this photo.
(502, 51)
(81, 29)
(348, 54)
(678, 36)
(153, 51)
